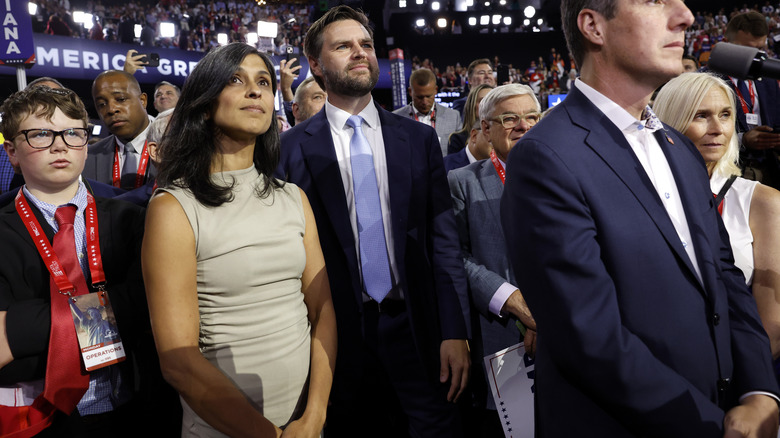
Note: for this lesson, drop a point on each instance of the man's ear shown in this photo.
(143, 99)
(485, 129)
(10, 150)
(314, 66)
(590, 24)
(295, 109)
(152, 145)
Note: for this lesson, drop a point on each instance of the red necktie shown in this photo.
(65, 381)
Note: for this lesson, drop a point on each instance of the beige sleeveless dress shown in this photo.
(253, 321)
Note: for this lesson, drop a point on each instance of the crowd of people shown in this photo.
(196, 23)
(222, 270)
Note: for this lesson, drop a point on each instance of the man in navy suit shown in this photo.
(403, 356)
(506, 114)
(645, 327)
(477, 148)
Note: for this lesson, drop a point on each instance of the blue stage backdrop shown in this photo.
(75, 58)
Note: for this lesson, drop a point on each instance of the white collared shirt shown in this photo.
(653, 160)
(342, 135)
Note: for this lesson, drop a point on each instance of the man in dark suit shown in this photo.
(377, 187)
(118, 158)
(758, 116)
(38, 359)
(506, 114)
(645, 327)
(479, 71)
(424, 109)
(477, 148)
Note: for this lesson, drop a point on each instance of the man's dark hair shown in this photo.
(751, 22)
(175, 88)
(312, 43)
(45, 79)
(570, 10)
(474, 64)
(692, 58)
(187, 148)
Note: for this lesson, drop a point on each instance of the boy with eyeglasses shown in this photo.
(67, 256)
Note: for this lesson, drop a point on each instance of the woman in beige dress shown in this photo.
(235, 278)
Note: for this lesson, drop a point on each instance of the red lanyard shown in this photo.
(140, 173)
(742, 101)
(433, 116)
(499, 167)
(47, 252)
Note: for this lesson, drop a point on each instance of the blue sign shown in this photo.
(16, 47)
(554, 99)
(75, 58)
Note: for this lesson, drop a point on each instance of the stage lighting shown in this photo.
(167, 30)
(441, 22)
(472, 21)
(529, 11)
(267, 29)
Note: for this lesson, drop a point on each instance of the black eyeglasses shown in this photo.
(74, 138)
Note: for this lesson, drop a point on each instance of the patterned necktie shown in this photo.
(65, 383)
(650, 120)
(371, 230)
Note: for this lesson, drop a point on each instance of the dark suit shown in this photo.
(425, 243)
(630, 342)
(476, 194)
(100, 164)
(25, 295)
(456, 161)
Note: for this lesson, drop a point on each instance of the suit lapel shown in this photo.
(319, 156)
(105, 161)
(493, 188)
(398, 155)
(14, 222)
(690, 197)
(622, 160)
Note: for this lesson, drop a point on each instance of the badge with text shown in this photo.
(97, 332)
(751, 119)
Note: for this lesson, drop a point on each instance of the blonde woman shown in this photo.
(702, 106)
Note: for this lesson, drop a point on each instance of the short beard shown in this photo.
(342, 84)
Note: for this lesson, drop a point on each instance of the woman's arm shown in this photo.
(170, 274)
(316, 295)
(765, 226)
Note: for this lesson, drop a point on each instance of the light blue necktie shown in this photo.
(371, 230)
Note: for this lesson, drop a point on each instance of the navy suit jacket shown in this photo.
(630, 342)
(476, 195)
(456, 161)
(100, 162)
(425, 238)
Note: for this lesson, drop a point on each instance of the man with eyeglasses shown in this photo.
(507, 112)
(62, 247)
(480, 71)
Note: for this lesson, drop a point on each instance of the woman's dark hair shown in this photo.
(188, 146)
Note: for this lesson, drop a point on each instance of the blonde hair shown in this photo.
(678, 101)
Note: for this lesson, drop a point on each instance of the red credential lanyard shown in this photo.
(433, 116)
(499, 167)
(47, 252)
(742, 101)
(140, 173)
